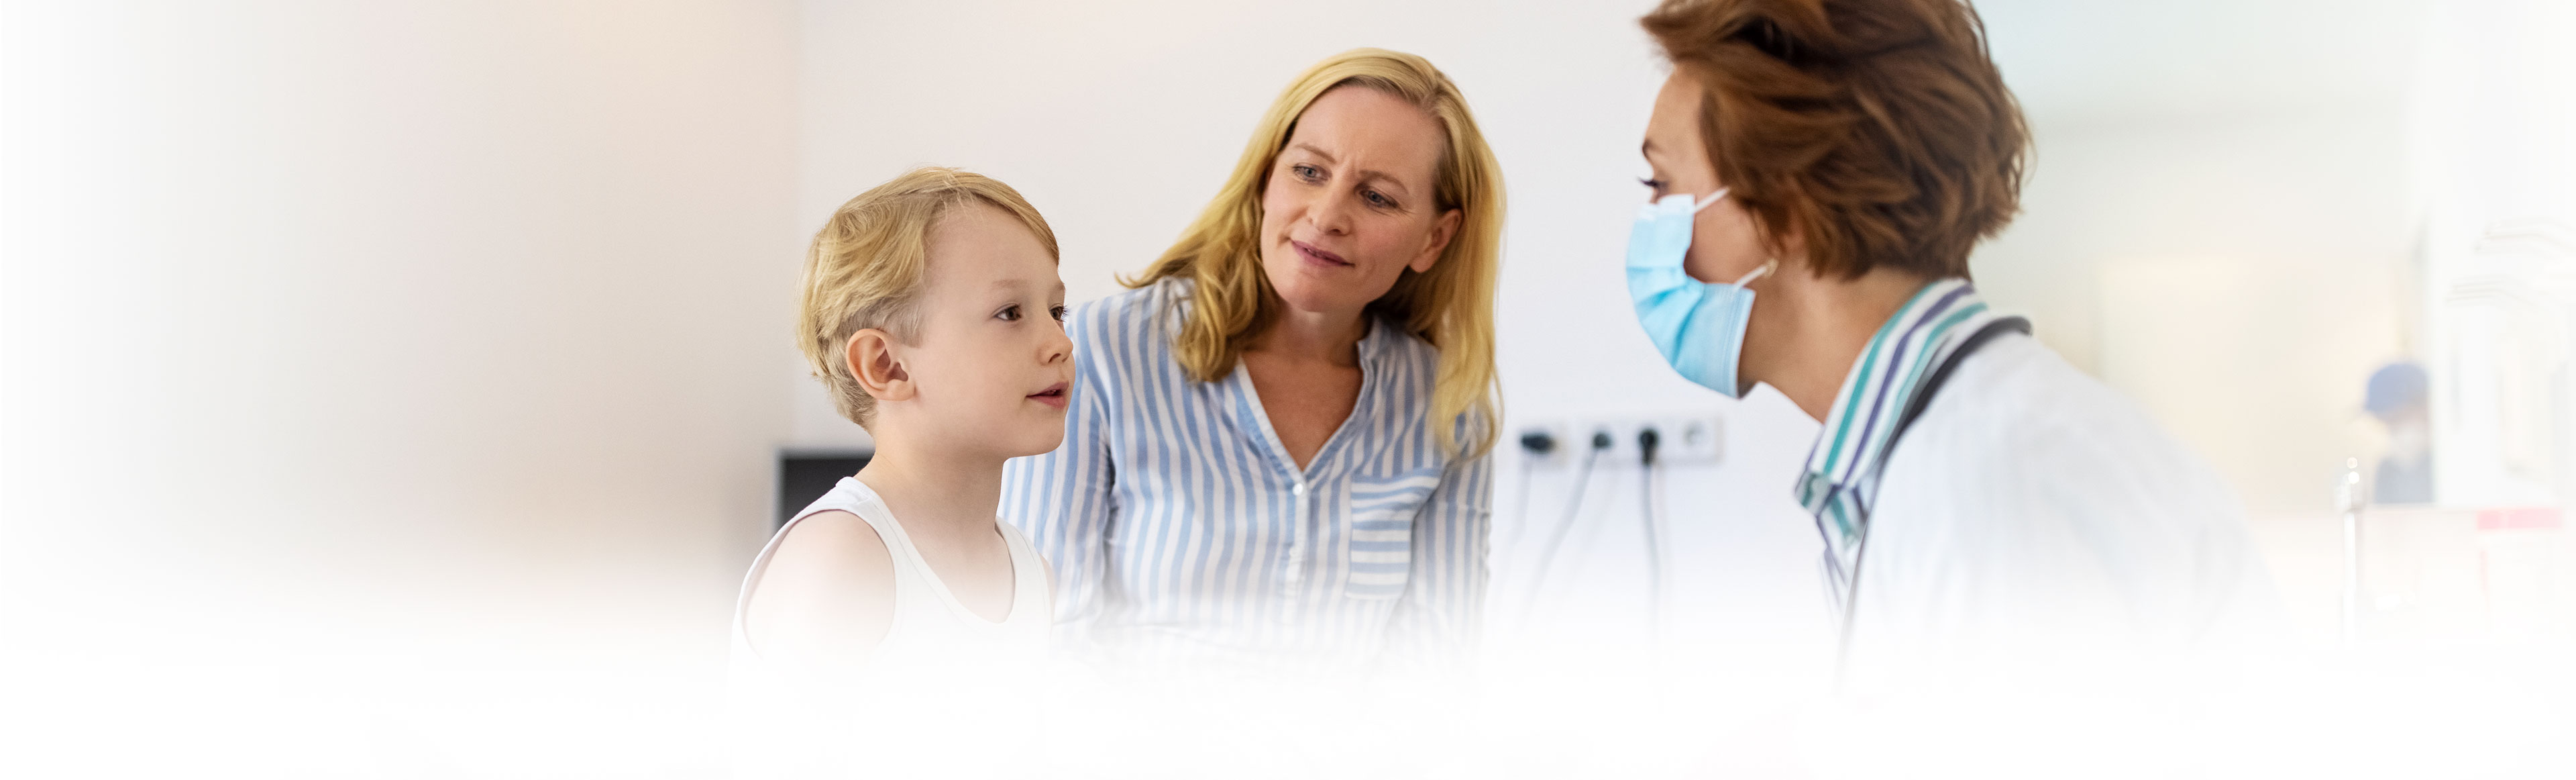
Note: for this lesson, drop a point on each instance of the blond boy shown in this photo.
(933, 314)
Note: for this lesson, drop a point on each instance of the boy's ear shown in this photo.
(872, 361)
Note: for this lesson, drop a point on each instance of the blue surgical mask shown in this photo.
(1699, 326)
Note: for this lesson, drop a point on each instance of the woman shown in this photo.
(1821, 170)
(1277, 450)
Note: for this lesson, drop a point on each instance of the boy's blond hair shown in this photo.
(865, 268)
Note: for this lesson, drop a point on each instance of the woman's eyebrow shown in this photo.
(1364, 174)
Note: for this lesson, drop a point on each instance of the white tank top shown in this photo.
(940, 665)
(930, 626)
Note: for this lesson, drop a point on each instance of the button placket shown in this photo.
(1296, 550)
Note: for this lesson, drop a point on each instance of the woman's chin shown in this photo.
(1306, 295)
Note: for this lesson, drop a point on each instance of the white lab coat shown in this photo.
(2034, 517)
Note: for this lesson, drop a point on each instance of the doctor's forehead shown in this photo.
(1672, 132)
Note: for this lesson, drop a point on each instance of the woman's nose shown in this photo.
(1331, 213)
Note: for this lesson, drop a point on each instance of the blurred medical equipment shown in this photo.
(2432, 576)
(2504, 403)
(2399, 397)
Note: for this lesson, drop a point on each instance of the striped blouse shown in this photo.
(1181, 530)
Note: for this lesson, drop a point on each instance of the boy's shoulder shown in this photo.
(828, 563)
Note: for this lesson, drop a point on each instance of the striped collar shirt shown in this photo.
(1840, 479)
(1181, 530)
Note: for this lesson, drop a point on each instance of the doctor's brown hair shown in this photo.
(1880, 129)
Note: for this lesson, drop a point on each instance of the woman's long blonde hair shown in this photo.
(1451, 306)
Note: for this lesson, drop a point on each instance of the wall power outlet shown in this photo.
(1681, 438)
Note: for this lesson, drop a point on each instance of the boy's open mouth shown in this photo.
(1052, 396)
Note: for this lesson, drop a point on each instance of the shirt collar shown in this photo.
(1890, 370)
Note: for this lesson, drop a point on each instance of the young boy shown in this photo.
(896, 607)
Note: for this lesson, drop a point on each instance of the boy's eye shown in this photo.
(1009, 313)
(1058, 312)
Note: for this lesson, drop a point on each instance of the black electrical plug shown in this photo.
(1646, 442)
(1538, 442)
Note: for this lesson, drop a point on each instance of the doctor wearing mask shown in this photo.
(1820, 171)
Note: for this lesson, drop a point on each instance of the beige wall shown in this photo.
(389, 382)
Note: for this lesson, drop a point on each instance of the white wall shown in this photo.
(389, 387)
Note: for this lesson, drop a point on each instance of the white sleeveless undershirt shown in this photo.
(946, 692)
(929, 624)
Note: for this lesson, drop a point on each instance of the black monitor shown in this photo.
(807, 474)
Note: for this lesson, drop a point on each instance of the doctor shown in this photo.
(1820, 173)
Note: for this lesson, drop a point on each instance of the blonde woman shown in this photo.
(1277, 454)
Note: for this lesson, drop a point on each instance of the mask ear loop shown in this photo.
(1768, 266)
(1711, 200)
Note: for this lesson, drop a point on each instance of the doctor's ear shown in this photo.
(872, 362)
(1442, 231)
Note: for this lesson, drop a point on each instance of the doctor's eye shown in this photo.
(1009, 313)
(1652, 184)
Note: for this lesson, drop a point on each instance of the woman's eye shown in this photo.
(1009, 313)
(1378, 200)
(1307, 172)
(1652, 184)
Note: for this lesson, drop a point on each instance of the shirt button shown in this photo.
(1300, 489)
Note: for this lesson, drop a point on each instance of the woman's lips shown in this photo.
(1053, 396)
(1318, 256)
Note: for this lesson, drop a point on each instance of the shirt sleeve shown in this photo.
(1444, 598)
(1066, 502)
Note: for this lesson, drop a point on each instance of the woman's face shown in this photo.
(1350, 202)
(1724, 245)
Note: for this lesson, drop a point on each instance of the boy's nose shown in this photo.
(1059, 346)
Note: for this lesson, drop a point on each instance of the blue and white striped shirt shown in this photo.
(1839, 482)
(1181, 530)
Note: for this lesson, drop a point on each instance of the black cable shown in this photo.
(1582, 477)
(1534, 446)
(1647, 441)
